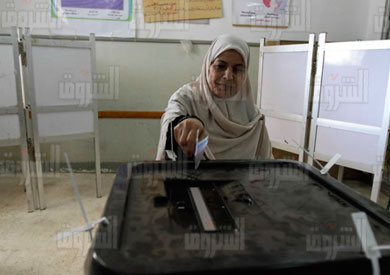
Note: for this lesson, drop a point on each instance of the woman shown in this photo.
(219, 104)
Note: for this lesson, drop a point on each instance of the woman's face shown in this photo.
(226, 74)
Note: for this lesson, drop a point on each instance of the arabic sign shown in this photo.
(174, 10)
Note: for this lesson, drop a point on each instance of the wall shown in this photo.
(375, 19)
(151, 71)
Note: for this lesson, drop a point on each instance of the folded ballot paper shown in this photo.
(199, 149)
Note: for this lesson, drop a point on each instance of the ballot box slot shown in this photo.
(198, 205)
(202, 210)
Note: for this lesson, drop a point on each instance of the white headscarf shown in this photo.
(235, 126)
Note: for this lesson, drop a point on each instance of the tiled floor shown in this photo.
(27, 243)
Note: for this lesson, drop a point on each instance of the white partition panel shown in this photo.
(63, 81)
(65, 123)
(7, 76)
(9, 123)
(284, 91)
(351, 109)
(62, 76)
(352, 145)
(61, 94)
(9, 127)
(354, 85)
(284, 133)
(12, 117)
(284, 75)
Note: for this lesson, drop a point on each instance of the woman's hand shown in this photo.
(185, 134)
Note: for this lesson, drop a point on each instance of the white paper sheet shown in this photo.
(199, 149)
(261, 13)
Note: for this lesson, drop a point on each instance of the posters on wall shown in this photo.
(112, 18)
(125, 18)
(103, 17)
(99, 9)
(175, 10)
(261, 13)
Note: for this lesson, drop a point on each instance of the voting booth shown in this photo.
(12, 112)
(351, 105)
(284, 90)
(48, 95)
(345, 86)
(62, 96)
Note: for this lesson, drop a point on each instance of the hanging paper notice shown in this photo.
(119, 10)
(174, 10)
(112, 18)
(261, 13)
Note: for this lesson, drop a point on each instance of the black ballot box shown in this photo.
(260, 217)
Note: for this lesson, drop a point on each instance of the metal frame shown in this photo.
(126, 39)
(12, 110)
(381, 132)
(66, 137)
(35, 110)
(34, 115)
(386, 25)
(309, 48)
(20, 111)
(6, 40)
(63, 108)
(10, 142)
(95, 121)
(62, 43)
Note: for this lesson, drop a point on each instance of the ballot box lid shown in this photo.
(273, 217)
